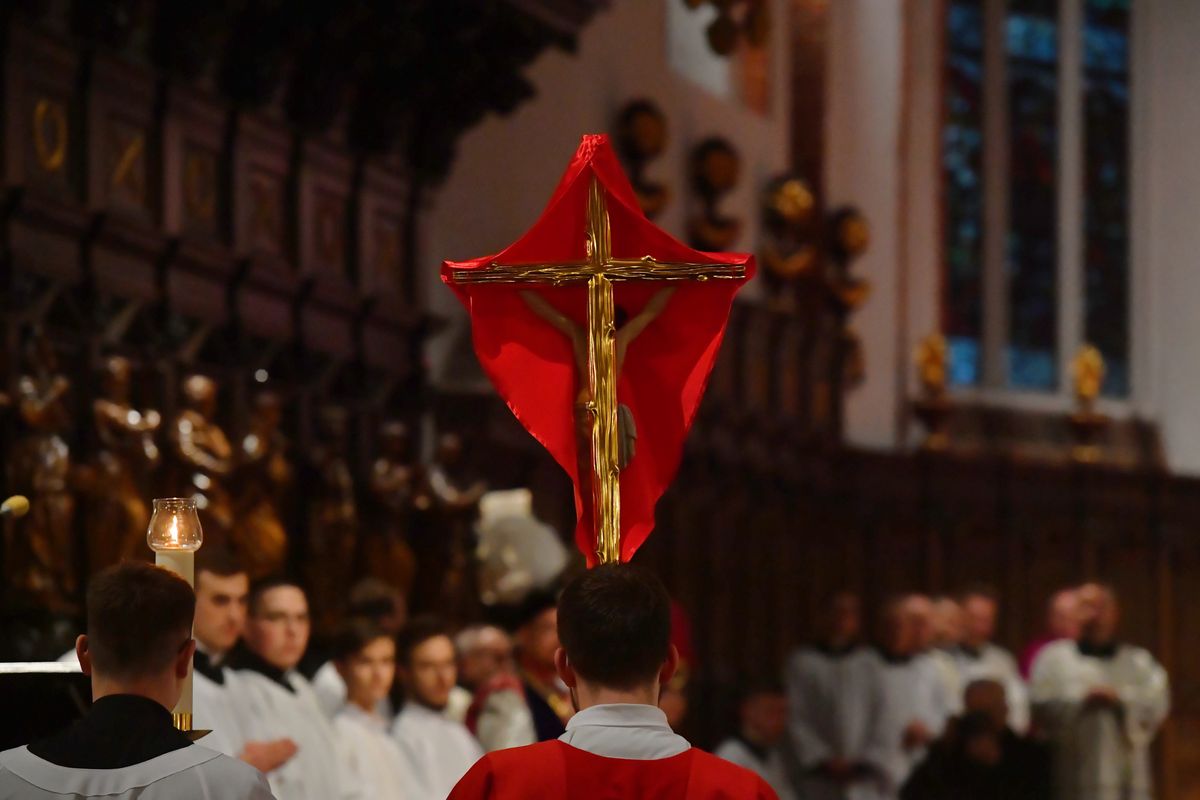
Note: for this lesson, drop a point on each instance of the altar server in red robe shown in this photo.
(614, 624)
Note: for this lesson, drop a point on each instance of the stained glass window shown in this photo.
(1032, 62)
(1106, 186)
(962, 167)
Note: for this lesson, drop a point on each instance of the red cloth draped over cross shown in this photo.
(595, 291)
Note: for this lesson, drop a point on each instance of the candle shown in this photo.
(175, 535)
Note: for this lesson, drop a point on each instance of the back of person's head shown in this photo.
(139, 619)
(378, 601)
(614, 622)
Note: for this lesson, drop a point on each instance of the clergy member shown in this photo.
(222, 586)
(273, 700)
(365, 655)
(835, 707)
(762, 724)
(914, 704)
(437, 750)
(614, 622)
(137, 650)
(979, 658)
(1101, 703)
(1062, 622)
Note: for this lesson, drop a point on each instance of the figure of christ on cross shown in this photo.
(568, 401)
(627, 329)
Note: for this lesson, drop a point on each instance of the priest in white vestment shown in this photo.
(438, 751)
(1101, 703)
(978, 658)
(365, 656)
(835, 708)
(137, 650)
(272, 700)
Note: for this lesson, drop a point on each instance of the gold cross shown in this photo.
(600, 270)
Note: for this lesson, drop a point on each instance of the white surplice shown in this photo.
(375, 762)
(194, 772)
(993, 662)
(1101, 752)
(835, 710)
(438, 751)
(771, 769)
(212, 710)
(266, 711)
(913, 691)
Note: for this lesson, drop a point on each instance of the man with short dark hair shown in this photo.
(137, 650)
(762, 725)
(437, 749)
(274, 701)
(614, 624)
(222, 586)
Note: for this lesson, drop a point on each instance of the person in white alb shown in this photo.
(222, 587)
(763, 720)
(979, 658)
(437, 750)
(137, 650)
(1101, 703)
(272, 700)
(914, 704)
(365, 657)
(835, 708)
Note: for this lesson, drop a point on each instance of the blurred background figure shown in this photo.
(372, 761)
(1062, 622)
(437, 750)
(1101, 703)
(979, 657)
(484, 652)
(757, 744)
(836, 707)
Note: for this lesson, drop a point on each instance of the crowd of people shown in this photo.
(933, 709)
(930, 709)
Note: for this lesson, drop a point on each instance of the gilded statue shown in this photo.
(788, 252)
(263, 476)
(931, 360)
(1087, 375)
(204, 457)
(398, 488)
(125, 452)
(332, 516)
(42, 553)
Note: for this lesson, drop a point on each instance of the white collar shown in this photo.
(620, 715)
(624, 730)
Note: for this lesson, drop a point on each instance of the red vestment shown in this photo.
(554, 769)
(665, 371)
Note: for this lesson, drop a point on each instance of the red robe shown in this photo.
(554, 769)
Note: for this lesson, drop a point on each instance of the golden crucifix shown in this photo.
(600, 270)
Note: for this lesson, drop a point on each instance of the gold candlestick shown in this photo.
(175, 535)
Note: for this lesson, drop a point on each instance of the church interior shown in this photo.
(966, 357)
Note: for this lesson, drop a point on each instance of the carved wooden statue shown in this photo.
(204, 457)
(715, 166)
(125, 436)
(332, 517)
(398, 487)
(456, 506)
(788, 253)
(41, 553)
(641, 138)
(263, 476)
